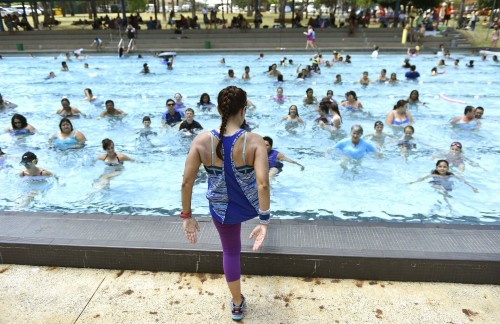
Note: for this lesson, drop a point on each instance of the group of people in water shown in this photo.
(353, 146)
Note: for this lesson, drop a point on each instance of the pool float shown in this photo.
(442, 96)
(404, 36)
(483, 52)
(167, 54)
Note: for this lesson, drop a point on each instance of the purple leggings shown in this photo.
(230, 236)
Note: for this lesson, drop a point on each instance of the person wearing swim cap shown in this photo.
(29, 161)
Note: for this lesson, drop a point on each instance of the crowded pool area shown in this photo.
(375, 188)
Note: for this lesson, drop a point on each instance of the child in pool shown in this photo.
(441, 177)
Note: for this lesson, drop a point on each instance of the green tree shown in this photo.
(136, 5)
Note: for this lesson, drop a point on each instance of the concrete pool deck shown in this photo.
(313, 256)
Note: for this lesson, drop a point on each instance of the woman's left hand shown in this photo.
(190, 228)
(259, 232)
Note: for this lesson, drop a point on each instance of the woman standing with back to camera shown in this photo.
(238, 186)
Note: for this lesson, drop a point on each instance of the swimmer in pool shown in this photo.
(467, 121)
(442, 177)
(338, 79)
(145, 69)
(292, 120)
(354, 147)
(274, 72)
(454, 156)
(399, 115)
(478, 112)
(310, 99)
(379, 136)
(4, 104)
(393, 79)
(171, 117)
(29, 161)
(407, 142)
(146, 131)
(189, 125)
(414, 99)
(205, 104)
(434, 71)
(64, 67)
(365, 80)
(352, 103)
(19, 126)
(114, 163)
(88, 95)
(67, 111)
(67, 137)
(383, 76)
(111, 111)
(246, 74)
(50, 76)
(274, 158)
(279, 98)
(179, 105)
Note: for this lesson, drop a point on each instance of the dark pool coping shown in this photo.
(369, 250)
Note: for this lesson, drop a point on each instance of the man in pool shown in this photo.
(412, 74)
(478, 112)
(111, 111)
(171, 117)
(274, 157)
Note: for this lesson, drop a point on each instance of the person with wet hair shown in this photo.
(238, 186)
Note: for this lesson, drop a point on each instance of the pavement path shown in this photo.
(31, 294)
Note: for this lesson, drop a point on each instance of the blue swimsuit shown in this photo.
(232, 191)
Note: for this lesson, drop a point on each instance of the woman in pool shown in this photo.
(67, 111)
(4, 104)
(441, 63)
(329, 95)
(205, 104)
(89, 96)
(442, 177)
(309, 99)
(414, 99)
(238, 186)
(113, 161)
(467, 121)
(393, 79)
(383, 76)
(67, 137)
(399, 115)
(29, 161)
(274, 158)
(112, 158)
(354, 147)
(434, 71)
(379, 135)
(274, 72)
(19, 126)
(292, 120)
(352, 103)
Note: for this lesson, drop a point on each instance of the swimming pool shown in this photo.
(377, 190)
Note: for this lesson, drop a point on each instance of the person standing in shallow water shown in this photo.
(238, 186)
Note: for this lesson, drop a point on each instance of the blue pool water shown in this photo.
(376, 190)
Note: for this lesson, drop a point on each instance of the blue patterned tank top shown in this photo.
(232, 191)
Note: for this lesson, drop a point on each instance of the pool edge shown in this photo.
(343, 250)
